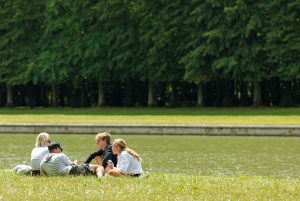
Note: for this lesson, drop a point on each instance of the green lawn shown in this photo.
(241, 116)
(180, 167)
(196, 155)
(156, 187)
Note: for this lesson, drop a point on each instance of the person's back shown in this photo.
(56, 164)
(37, 155)
(128, 164)
(39, 152)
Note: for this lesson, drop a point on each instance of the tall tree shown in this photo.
(21, 26)
(246, 21)
(161, 34)
(109, 43)
(60, 54)
(282, 44)
(196, 61)
(233, 40)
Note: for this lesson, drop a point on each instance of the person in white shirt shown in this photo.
(39, 152)
(57, 163)
(129, 162)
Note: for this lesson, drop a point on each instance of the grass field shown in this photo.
(237, 116)
(180, 167)
(156, 187)
(196, 155)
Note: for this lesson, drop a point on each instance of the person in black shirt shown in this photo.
(105, 151)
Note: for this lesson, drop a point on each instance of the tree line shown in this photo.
(84, 53)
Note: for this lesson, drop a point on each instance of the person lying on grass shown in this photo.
(104, 153)
(57, 163)
(129, 162)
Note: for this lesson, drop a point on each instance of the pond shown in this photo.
(204, 155)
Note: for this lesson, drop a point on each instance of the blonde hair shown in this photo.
(41, 139)
(122, 144)
(103, 136)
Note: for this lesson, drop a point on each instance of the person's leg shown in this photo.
(98, 170)
(98, 160)
(114, 173)
(35, 173)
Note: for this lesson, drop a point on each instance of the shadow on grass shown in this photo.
(157, 111)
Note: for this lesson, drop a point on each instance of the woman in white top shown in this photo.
(39, 152)
(129, 162)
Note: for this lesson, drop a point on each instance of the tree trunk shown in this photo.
(30, 95)
(84, 102)
(43, 98)
(9, 99)
(227, 89)
(257, 95)
(150, 93)
(100, 94)
(2, 95)
(61, 94)
(246, 101)
(174, 99)
(21, 94)
(275, 91)
(128, 100)
(219, 92)
(54, 96)
(287, 99)
(200, 94)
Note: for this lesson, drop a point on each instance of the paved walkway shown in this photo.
(153, 129)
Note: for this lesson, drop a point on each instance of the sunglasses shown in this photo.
(49, 141)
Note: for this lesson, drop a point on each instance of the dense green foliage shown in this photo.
(176, 53)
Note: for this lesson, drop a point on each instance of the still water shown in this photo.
(204, 155)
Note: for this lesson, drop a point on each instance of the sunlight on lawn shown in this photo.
(151, 119)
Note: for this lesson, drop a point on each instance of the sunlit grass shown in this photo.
(156, 187)
(202, 155)
(151, 119)
(180, 168)
(242, 116)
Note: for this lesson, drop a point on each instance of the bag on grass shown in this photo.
(22, 169)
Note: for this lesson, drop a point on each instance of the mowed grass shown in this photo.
(197, 155)
(156, 187)
(180, 168)
(233, 116)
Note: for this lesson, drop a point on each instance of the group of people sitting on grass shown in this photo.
(112, 159)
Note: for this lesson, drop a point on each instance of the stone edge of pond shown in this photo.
(153, 129)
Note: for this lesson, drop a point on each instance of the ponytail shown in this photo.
(134, 154)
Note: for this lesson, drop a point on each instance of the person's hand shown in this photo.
(109, 166)
(76, 162)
